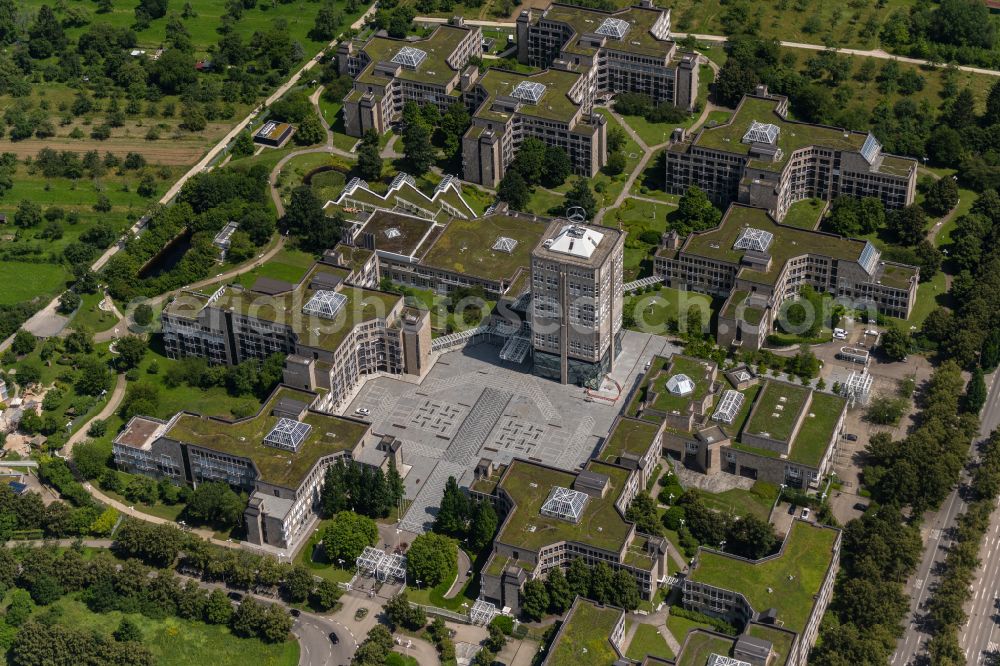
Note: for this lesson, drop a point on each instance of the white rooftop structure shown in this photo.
(564, 504)
(504, 244)
(575, 240)
(392, 568)
(857, 387)
(516, 349)
(613, 27)
(753, 239)
(287, 434)
(871, 148)
(369, 560)
(325, 304)
(761, 133)
(224, 237)
(680, 384)
(869, 258)
(392, 232)
(409, 57)
(529, 91)
(722, 660)
(729, 407)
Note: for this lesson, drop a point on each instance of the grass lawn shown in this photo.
(817, 429)
(636, 216)
(177, 642)
(23, 281)
(680, 626)
(311, 558)
(169, 512)
(717, 117)
(648, 641)
(965, 200)
(328, 184)
(654, 134)
(930, 294)
(804, 214)
(788, 582)
(92, 317)
(585, 637)
(701, 646)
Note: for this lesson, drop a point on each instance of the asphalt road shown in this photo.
(978, 635)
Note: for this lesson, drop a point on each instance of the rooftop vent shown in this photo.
(564, 504)
(761, 133)
(753, 239)
(613, 27)
(529, 91)
(409, 57)
(287, 434)
(504, 244)
(392, 232)
(325, 304)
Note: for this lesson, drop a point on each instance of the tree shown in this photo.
(46, 34)
(534, 600)
(369, 157)
(453, 515)
(143, 315)
(90, 459)
(896, 343)
(298, 583)
(347, 535)
(310, 131)
(496, 639)
(601, 583)
(454, 123)
(327, 22)
(560, 594)
(401, 613)
(695, 212)
(616, 163)
(625, 591)
(243, 145)
(432, 558)
(642, 511)
(93, 376)
(274, 625)
(578, 578)
(69, 301)
(215, 503)
(247, 618)
(131, 349)
(751, 537)
(304, 217)
(19, 609)
(483, 526)
(975, 392)
(514, 190)
(128, 631)
(908, 224)
(580, 195)
(941, 197)
(24, 342)
(963, 23)
(325, 596)
(530, 159)
(28, 214)
(417, 147)
(218, 610)
(557, 166)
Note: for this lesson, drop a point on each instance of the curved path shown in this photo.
(117, 394)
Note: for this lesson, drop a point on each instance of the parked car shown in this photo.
(362, 411)
(861, 506)
(805, 513)
(295, 612)
(235, 596)
(851, 437)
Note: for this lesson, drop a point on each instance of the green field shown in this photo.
(653, 310)
(287, 264)
(23, 281)
(680, 626)
(648, 641)
(702, 645)
(757, 501)
(177, 642)
(804, 214)
(92, 317)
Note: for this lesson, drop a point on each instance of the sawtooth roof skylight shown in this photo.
(680, 384)
(753, 239)
(564, 504)
(869, 258)
(325, 304)
(287, 434)
(409, 57)
(729, 407)
(529, 91)
(871, 148)
(504, 244)
(613, 27)
(761, 133)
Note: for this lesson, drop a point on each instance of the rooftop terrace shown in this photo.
(584, 639)
(788, 582)
(466, 246)
(529, 484)
(329, 434)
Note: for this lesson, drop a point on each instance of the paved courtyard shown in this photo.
(471, 405)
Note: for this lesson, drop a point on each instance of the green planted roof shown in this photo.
(245, 438)
(554, 104)
(637, 39)
(585, 637)
(696, 370)
(777, 410)
(529, 485)
(466, 246)
(630, 436)
(434, 69)
(361, 305)
(781, 641)
(818, 428)
(700, 645)
(788, 582)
